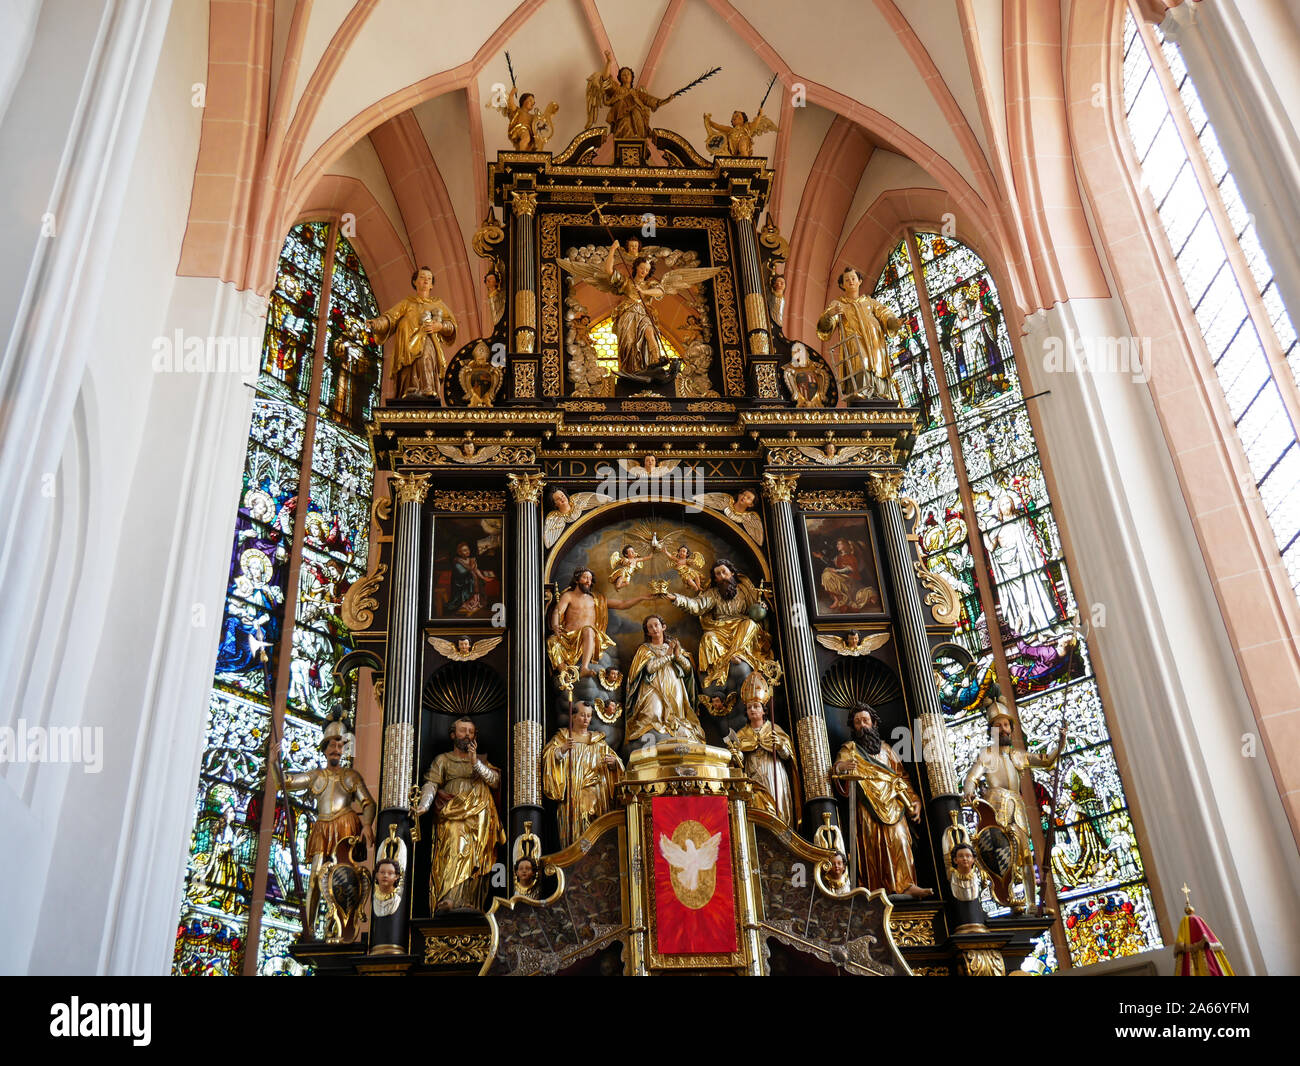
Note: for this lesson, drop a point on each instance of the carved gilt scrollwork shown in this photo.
(941, 598)
(360, 602)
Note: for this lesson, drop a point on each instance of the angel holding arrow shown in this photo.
(640, 352)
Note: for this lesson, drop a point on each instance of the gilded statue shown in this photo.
(738, 138)
(624, 564)
(863, 364)
(661, 688)
(579, 622)
(479, 378)
(996, 771)
(868, 771)
(852, 644)
(344, 809)
(423, 327)
(463, 650)
(765, 751)
(460, 786)
(739, 509)
(580, 772)
(639, 347)
(630, 107)
(567, 509)
(730, 634)
(528, 128)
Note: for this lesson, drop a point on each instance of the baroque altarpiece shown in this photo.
(645, 598)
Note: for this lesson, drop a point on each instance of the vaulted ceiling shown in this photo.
(889, 111)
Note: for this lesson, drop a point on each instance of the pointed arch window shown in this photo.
(987, 527)
(302, 537)
(1247, 328)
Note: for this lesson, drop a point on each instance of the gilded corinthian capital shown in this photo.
(410, 488)
(525, 488)
(742, 207)
(779, 488)
(524, 203)
(884, 487)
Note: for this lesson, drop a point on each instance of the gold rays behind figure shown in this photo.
(852, 681)
(465, 689)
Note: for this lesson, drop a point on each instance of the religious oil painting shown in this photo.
(842, 554)
(466, 566)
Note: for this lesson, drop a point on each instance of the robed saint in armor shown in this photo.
(459, 785)
(861, 352)
(580, 772)
(344, 808)
(872, 776)
(422, 327)
(998, 768)
(661, 688)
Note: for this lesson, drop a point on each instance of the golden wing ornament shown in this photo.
(683, 278)
(819, 456)
(479, 455)
(761, 124)
(592, 273)
(866, 646)
(477, 650)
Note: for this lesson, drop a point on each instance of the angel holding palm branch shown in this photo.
(639, 348)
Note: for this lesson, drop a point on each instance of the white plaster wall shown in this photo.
(1177, 705)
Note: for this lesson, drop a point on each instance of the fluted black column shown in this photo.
(527, 665)
(401, 700)
(915, 645)
(751, 275)
(525, 272)
(803, 687)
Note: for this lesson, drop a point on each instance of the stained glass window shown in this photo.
(1239, 342)
(986, 526)
(318, 549)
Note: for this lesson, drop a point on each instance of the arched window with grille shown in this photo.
(301, 539)
(1239, 308)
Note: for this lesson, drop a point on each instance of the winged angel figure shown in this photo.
(641, 357)
(463, 650)
(689, 862)
(852, 643)
(568, 509)
(740, 509)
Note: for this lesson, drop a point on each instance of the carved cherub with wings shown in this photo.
(567, 510)
(852, 643)
(623, 564)
(462, 650)
(831, 454)
(639, 349)
(688, 564)
(740, 509)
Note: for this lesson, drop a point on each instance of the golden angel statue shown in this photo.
(623, 564)
(423, 327)
(851, 643)
(463, 650)
(580, 770)
(567, 509)
(689, 566)
(739, 509)
(630, 107)
(639, 348)
(738, 138)
(863, 365)
(528, 128)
